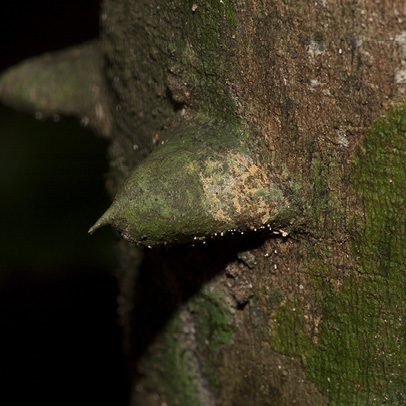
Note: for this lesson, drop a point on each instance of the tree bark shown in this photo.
(305, 307)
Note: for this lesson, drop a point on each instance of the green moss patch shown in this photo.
(359, 356)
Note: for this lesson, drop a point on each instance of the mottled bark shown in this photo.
(308, 308)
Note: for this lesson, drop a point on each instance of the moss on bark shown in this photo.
(359, 355)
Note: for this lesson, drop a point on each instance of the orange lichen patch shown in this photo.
(242, 191)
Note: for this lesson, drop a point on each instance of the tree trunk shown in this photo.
(283, 279)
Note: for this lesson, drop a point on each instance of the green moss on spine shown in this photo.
(201, 182)
(214, 330)
(183, 362)
(67, 82)
(171, 367)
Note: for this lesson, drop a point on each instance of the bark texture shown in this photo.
(306, 311)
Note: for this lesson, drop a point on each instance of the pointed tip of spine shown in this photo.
(104, 220)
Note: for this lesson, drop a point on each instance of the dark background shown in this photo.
(59, 340)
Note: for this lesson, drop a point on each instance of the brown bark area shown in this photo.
(308, 79)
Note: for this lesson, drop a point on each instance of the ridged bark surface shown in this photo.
(308, 316)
